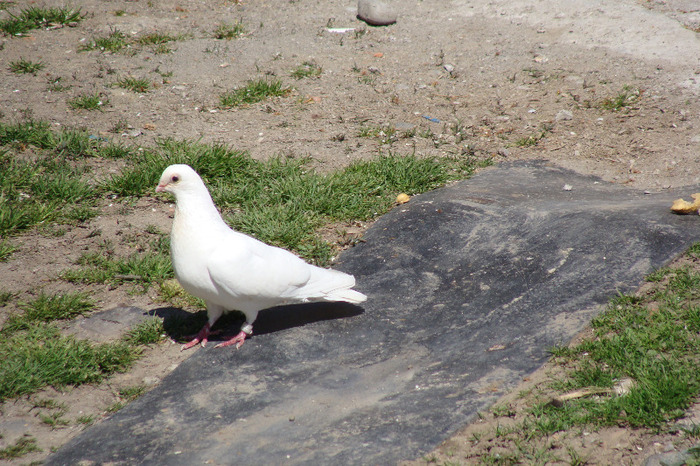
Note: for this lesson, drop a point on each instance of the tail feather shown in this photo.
(349, 296)
(331, 285)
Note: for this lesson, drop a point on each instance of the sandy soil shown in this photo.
(452, 77)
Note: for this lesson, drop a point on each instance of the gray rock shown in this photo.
(674, 458)
(564, 115)
(376, 13)
(107, 325)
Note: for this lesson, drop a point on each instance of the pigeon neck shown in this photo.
(197, 207)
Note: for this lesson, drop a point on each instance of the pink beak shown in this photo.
(160, 188)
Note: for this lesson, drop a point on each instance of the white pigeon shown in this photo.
(232, 271)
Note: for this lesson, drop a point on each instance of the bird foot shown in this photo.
(202, 337)
(237, 340)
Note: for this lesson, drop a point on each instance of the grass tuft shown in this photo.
(229, 31)
(40, 356)
(308, 69)
(23, 66)
(47, 308)
(140, 269)
(46, 188)
(156, 38)
(148, 332)
(627, 97)
(94, 101)
(114, 42)
(132, 392)
(253, 92)
(36, 17)
(6, 250)
(141, 85)
(22, 446)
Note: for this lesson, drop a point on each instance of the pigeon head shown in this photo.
(178, 179)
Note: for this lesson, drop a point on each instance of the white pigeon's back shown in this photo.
(254, 275)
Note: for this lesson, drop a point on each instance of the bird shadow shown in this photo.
(179, 324)
(281, 318)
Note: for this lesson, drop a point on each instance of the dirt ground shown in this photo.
(500, 80)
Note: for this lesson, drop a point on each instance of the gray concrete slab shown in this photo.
(468, 287)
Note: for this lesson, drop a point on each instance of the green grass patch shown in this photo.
(47, 308)
(162, 49)
(86, 419)
(29, 132)
(54, 419)
(116, 41)
(155, 38)
(5, 297)
(158, 41)
(140, 85)
(91, 101)
(23, 446)
(171, 292)
(253, 92)
(23, 66)
(113, 42)
(6, 250)
(126, 394)
(308, 69)
(282, 201)
(656, 347)
(40, 356)
(627, 97)
(80, 214)
(383, 134)
(651, 341)
(132, 392)
(229, 31)
(139, 269)
(37, 17)
(148, 332)
(46, 189)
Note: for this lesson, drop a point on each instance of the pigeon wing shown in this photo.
(250, 275)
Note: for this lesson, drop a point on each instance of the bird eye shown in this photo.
(175, 179)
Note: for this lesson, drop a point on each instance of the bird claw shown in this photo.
(202, 338)
(238, 340)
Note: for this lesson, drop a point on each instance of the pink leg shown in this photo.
(237, 340)
(202, 337)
